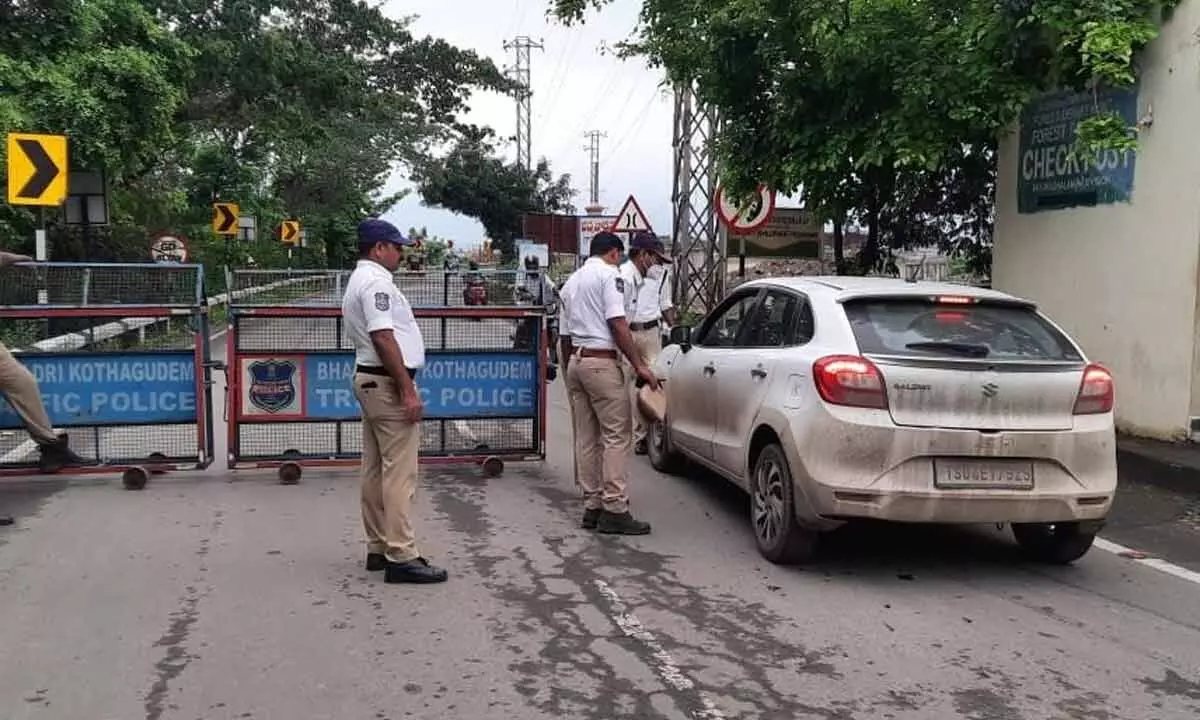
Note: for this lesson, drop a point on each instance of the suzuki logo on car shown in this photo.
(990, 389)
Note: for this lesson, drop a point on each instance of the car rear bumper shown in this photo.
(880, 471)
(965, 507)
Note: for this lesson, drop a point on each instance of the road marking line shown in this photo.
(665, 665)
(1158, 564)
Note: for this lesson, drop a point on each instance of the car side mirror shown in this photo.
(681, 335)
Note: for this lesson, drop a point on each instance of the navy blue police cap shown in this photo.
(373, 230)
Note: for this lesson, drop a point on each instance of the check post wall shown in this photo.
(122, 358)
(290, 368)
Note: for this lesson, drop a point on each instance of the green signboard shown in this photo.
(1049, 177)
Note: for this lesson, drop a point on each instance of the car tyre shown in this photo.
(1054, 543)
(658, 447)
(780, 537)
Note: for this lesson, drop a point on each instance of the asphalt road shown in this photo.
(210, 596)
(222, 596)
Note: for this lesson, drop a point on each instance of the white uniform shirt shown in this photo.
(373, 302)
(645, 297)
(564, 307)
(594, 294)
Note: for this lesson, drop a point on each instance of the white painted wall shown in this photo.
(1123, 278)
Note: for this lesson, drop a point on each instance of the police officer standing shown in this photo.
(388, 352)
(596, 378)
(647, 301)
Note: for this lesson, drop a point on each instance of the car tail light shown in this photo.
(1096, 392)
(850, 380)
(955, 300)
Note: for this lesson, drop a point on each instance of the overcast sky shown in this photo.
(575, 90)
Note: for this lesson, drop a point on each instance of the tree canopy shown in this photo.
(887, 111)
(474, 180)
(291, 108)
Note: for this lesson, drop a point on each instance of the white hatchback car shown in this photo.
(834, 398)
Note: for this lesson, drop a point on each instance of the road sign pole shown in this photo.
(41, 252)
(741, 256)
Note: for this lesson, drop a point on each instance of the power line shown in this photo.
(634, 128)
(560, 74)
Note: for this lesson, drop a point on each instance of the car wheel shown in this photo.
(780, 538)
(1056, 543)
(658, 448)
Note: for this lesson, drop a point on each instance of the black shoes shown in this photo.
(611, 523)
(590, 517)
(57, 455)
(417, 570)
(6, 520)
(639, 447)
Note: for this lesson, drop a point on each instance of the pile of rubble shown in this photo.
(782, 267)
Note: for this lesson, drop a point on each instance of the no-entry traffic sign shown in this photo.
(748, 214)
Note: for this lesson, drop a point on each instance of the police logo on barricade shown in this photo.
(382, 301)
(272, 384)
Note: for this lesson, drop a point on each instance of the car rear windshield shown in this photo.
(927, 328)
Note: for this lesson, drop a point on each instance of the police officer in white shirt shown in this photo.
(388, 352)
(596, 378)
(647, 304)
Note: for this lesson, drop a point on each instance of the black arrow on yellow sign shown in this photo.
(37, 169)
(44, 169)
(289, 231)
(225, 218)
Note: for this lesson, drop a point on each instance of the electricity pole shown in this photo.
(698, 243)
(521, 45)
(593, 148)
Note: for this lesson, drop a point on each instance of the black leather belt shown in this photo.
(643, 325)
(380, 371)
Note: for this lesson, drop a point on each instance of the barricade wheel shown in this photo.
(157, 462)
(493, 467)
(135, 478)
(289, 473)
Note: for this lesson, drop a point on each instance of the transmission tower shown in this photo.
(698, 244)
(521, 45)
(593, 148)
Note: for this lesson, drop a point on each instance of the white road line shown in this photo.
(1161, 565)
(665, 665)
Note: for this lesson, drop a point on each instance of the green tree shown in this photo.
(473, 180)
(882, 111)
(291, 108)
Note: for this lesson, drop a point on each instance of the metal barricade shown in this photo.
(291, 402)
(121, 356)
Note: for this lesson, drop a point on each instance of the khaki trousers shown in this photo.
(20, 389)
(649, 344)
(388, 474)
(601, 418)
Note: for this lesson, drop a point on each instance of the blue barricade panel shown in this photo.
(121, 354)
(90, 389)
(292, 398)
(453, 385)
